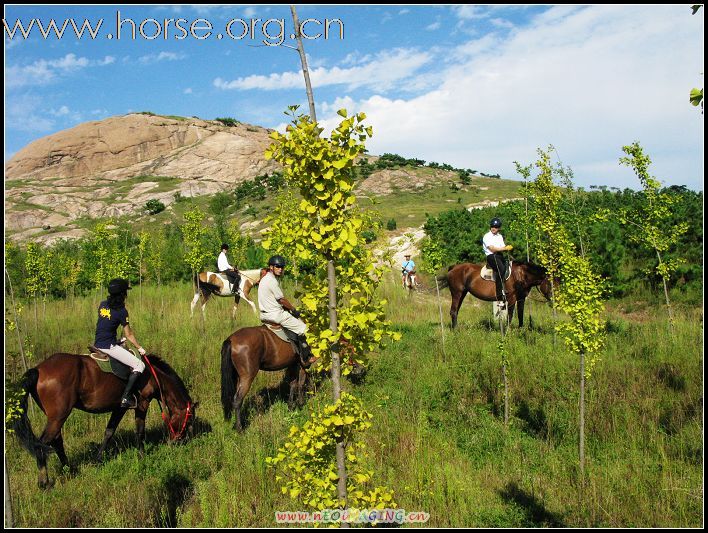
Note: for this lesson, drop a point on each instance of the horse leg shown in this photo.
(205, 299)
(49, 435)
(116, 417)
(302, 379)
(194, 303)
(242, 387)
(455, 306)
(140, 415)
(58, 445)
(237, 299)
(511, 313)
(520, 303)
(293, 378)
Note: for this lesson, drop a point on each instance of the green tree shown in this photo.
(653, 214)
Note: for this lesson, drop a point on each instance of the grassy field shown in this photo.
(438, 438)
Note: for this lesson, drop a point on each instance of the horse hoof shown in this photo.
(46, 485)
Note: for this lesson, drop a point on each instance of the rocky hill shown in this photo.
(114, 166)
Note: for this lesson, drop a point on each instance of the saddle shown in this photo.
(284, 334)
(109, 364)
(489, 275)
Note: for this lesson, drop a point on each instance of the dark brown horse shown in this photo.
(67, 381)
(243, 354)
(465, 278)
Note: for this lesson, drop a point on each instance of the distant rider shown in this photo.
(111, 314)
(407, 269)
(493, 246)
(222, 264)
(274, 306)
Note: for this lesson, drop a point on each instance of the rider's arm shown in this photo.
(286, 304)
(128, 333)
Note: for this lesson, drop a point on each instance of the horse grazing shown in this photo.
(465, 278)
(243, 354)
(214, 283)
(67, 381)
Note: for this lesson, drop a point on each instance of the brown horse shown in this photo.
(243, 354)
(465, 278)
(67, 381)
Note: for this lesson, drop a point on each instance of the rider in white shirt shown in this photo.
(493, 246)
(276, 308)
(222, 263)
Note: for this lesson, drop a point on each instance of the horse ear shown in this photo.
(195, 405)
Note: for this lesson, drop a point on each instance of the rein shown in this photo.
(174, 434)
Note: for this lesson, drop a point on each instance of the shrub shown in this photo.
(391, 224)
(227, 121)
(154, 206)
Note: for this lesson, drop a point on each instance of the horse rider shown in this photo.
(222, 264)
(493, 246)
(407, 268)
(274, 306)
(111, 314)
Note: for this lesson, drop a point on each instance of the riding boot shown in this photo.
(129, 401)
(305, 352)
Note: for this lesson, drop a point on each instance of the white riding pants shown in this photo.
(286, 320)
(125, 357)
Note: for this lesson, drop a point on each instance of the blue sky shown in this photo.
(474, 86)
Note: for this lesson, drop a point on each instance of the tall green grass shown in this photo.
(438, 437)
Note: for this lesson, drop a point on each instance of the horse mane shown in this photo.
(536, 269)
(164, 367)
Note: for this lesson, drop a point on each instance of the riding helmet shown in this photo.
(224, 246)
(118, 286)
(277, 260)
(495, 223)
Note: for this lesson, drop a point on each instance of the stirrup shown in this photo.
(129, 403)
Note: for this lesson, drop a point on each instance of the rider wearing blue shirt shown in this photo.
(407, 268)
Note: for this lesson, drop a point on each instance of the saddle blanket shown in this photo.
(488, 273)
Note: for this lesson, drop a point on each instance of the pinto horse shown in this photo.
(243, 354)
(67, 381)
(217, 284)
(465, 278)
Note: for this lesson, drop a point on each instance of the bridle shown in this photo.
(174, 435)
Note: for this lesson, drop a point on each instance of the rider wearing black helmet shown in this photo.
(274, 305)
(493, 246)
(111, 314)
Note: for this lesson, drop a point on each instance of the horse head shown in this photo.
(179, 411)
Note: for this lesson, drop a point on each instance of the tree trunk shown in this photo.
(442, 329)
(581, 443)
(17, 323)
(332, 282)
(666, 295)
(303, 60)
(8, 500)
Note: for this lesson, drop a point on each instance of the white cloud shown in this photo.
(44, 71)
(150, 59)
(586, 80)
(188, 90)
(434, 26)
(381, 73)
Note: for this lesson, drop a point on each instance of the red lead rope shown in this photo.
(174, 434)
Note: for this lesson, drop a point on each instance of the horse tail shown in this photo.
(228, 379)
(442, 280)
(20, 424)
